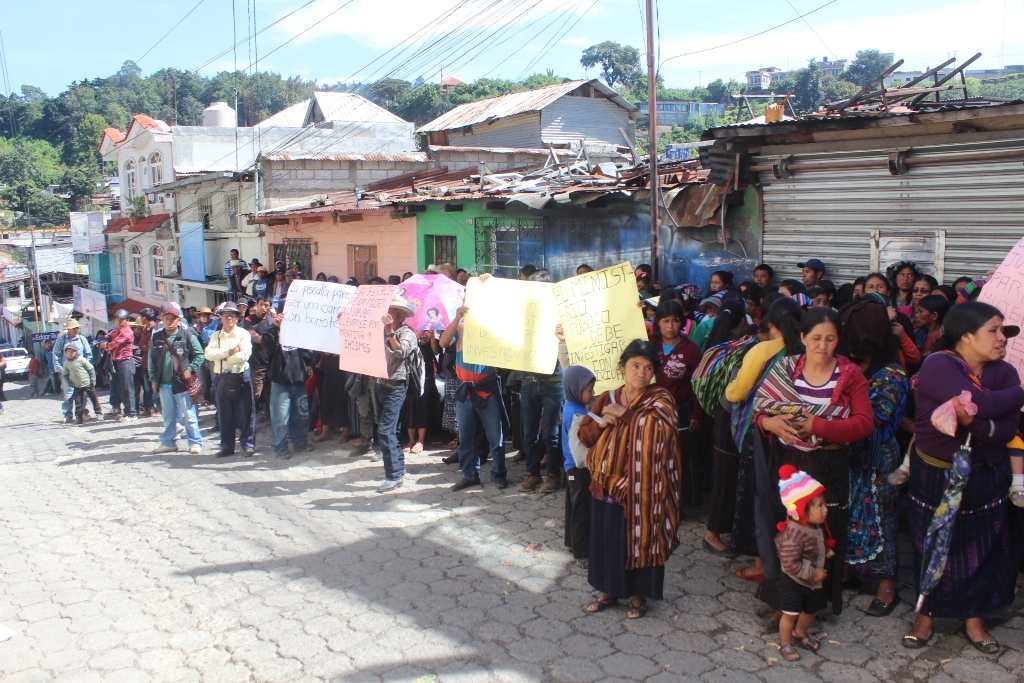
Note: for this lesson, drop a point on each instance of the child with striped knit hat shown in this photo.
(802, 550)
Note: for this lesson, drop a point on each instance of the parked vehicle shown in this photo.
(17, 362)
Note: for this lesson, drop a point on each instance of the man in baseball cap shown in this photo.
(813, 271)
(175, 355)
(119, 342)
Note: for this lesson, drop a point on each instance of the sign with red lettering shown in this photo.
(361, 332)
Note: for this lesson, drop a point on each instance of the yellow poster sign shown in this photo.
(600, 317)
(511, 324)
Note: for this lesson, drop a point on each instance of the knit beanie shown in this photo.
(797, 489)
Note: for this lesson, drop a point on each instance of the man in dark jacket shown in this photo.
(175, 354)
(288, 368)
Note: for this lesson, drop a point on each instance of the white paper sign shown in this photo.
(311, 314)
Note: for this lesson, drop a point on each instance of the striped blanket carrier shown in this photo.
(715, 371)
(778, 396)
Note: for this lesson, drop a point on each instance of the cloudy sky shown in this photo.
(343, 40)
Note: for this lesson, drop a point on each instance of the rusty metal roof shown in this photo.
(411, 157)
(489, 150)
(516, 103)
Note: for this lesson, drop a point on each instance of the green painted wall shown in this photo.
(436, 221)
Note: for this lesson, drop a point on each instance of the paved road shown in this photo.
(119, 565)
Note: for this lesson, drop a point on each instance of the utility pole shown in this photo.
(652, 109)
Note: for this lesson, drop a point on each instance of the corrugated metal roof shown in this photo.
(341, 202)
(412, 157)
(489, 150)
(516, 103)
(343, 106)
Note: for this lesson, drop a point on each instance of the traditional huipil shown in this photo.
(635, 469)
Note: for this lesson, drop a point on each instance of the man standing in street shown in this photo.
(175, 354)
(399, 346)
(119, 343)
(260, 319)
(478, 394)
(288, 368)
(70, 338)
(229, 350)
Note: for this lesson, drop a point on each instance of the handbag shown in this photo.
(192, 384)
(229, 386)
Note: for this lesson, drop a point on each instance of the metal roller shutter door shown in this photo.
(831, 214)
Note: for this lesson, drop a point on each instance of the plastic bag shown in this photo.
(944, 417)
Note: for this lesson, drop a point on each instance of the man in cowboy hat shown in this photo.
(70, 337)
(228, 351)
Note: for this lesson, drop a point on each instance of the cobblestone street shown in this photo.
(119, 565)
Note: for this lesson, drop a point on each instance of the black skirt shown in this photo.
(607, 571)
(722, 509)
(421, 412)
(333, 399)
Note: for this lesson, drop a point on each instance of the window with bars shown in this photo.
(299, 250)
(204, 207)
(231, 210)
(441, 249)
(509, 243)
(156, 255)
(362, 261)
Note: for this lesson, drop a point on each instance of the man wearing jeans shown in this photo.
(478, 394)
(175, 354)
(541, 398)
(118, 344)
(399, 345)
(288, 368)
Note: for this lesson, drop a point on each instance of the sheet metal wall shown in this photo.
(830, 214)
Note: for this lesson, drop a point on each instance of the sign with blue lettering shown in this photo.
(45, 336)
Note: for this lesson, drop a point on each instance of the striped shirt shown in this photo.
(816, 395)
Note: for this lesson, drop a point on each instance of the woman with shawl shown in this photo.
(783, 323)
(872, 550)
(634, 464)
(815, 405)
(979, 568)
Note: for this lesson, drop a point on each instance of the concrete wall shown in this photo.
(395, 239)
(458, 159)
(289, 182)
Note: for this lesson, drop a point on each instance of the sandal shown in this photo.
(418, 448)
(788, 653)
(636, 611)
(601, 605)
(742, 573)
(453, 444)
(914, 643)
(806, 642)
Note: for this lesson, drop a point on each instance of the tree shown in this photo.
(423, 104)
(836, 90)
(807, 89)
(80, 182)
(543, 80)
(619, 64)
(719, 90)
(868, 66)
(389, 91)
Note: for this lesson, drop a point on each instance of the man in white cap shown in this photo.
(69, 338)
(175, 354)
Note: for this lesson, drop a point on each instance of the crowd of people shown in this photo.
(802, 412)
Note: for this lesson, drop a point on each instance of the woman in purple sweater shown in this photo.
(979, 574)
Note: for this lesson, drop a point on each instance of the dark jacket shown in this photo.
(189, 350)
(285, 364)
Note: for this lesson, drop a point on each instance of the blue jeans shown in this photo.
(289, 415)
(490, 418)
(540, 407)
(388, 401)
(69, 392)
(239, 414)
(178, 408)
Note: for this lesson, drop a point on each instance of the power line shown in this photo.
(755, 35)
(796, 11)
(169, 32)
(255, 33)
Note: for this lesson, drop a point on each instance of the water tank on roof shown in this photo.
(219, 115)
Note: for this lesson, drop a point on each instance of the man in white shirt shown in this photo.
(229, 350)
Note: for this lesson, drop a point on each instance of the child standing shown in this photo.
(802, 550)
(578, 383)
(82, 376)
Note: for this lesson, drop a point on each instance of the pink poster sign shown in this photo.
(361, 332)
(1005, 291)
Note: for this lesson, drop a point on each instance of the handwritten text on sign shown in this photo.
(600, 318)
(311, 314)
(361, 332)
(1005, 291)
(511, 324)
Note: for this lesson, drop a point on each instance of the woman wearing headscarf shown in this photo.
(872, 549)
(980, 567)
(634, 464)
(814, 406)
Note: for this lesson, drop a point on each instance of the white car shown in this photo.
(17, 362)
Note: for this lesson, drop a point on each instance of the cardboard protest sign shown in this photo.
(361, 333)
(600, 317)
(1005, 291)
(511, 324)
(311, 314)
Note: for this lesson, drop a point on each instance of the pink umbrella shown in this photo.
(435, 298)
